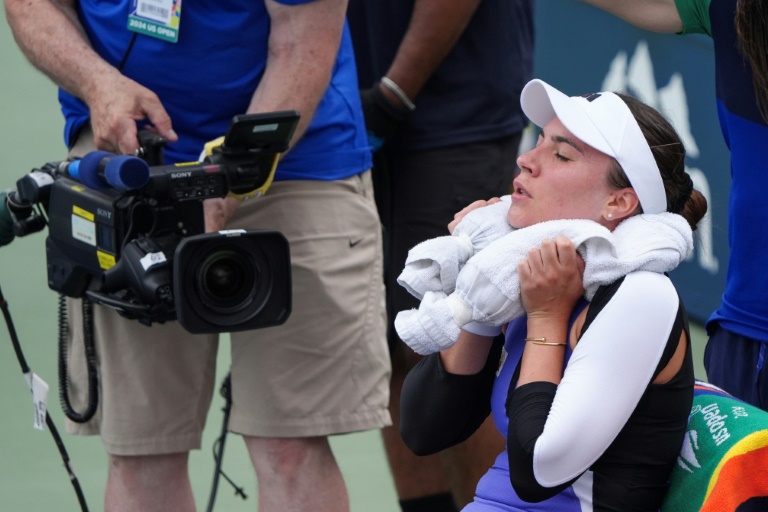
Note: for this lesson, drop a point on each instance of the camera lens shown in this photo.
(232, 281)
(222, 277)
(227, 281)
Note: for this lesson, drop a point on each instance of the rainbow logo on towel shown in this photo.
(723, 464)
(746, 463)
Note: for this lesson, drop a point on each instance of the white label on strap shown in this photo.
(39, 398)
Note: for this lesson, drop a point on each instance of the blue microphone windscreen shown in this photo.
(88, 170)
(126, 172)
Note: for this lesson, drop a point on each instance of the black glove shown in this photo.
(382, 118)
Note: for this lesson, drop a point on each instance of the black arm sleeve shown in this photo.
(440, 409)
(527, 408)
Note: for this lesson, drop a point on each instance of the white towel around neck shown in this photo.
(487, 287)
(434, 265)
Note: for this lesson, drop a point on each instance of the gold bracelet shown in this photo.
(543, 341)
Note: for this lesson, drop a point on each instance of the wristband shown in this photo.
(397, 91)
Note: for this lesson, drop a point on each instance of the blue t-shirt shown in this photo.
(744, 307)
(209, 76)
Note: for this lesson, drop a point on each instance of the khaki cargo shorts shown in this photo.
(325, 371)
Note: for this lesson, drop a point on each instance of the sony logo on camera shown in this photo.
(101, 212)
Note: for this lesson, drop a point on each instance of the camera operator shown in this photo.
(326, 370)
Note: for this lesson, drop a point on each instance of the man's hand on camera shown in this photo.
(116, 106)
(382, 117)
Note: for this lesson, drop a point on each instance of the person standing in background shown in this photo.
(440, 85)
(734, 357)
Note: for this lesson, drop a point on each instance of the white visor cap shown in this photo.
(603, 121)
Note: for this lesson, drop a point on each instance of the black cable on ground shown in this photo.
(218, 447)
(48, 421)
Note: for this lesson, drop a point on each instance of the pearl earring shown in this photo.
(609, 216)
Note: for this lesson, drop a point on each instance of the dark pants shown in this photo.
(735, 363)
(418, 193)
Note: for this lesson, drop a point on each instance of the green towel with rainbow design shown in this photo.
(723, 465)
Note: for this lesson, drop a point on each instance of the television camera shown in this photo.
(128, 232)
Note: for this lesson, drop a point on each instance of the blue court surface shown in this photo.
(32, 476)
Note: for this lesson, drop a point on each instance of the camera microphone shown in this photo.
(101, 170)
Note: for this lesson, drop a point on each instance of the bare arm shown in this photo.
(550, 286)
(303, 43)
(654, 15)
(468, 355)
(435, 27)
(52, 38)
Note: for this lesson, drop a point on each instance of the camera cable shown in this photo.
(48, 421)
(90, 362)
(218, 446)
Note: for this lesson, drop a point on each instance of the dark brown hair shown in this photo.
(752, 38)
(669, 152)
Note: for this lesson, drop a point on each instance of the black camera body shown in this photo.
(144, 250)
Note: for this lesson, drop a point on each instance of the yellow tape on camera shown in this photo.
(106, 260)
(83, 213)
(259, 191)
